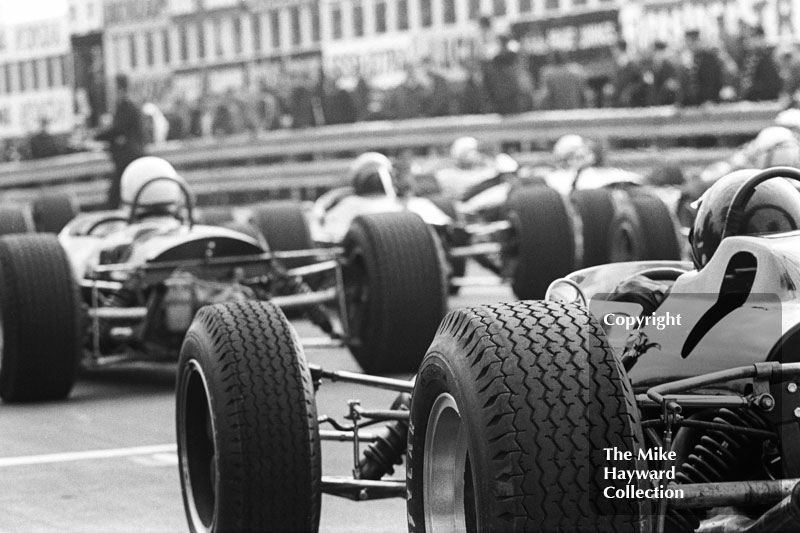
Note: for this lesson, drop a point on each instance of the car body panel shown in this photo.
(714, 334)
(148, 240)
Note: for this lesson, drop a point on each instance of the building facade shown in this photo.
(35, 82)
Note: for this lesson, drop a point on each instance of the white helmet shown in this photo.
(371, 173)
(573, 151)
(505, 164)
(774, 146)
(464, 148)
(789, 118)
(140, 172)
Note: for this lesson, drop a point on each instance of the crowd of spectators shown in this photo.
(500, 79)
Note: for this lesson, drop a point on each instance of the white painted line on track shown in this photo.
(85, 455)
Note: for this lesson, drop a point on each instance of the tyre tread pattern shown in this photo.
(552, 395)
(271, 453)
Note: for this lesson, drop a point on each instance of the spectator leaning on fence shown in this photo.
(703, 72)
(125, 137)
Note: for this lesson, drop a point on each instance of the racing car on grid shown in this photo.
(576, 413)
(528, 232)
(124, 285)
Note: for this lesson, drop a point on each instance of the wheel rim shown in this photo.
(447, 476)
(198, 459)
(623, 247)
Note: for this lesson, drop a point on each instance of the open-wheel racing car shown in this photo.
(523, 233)
(124, 285)
(579, 412)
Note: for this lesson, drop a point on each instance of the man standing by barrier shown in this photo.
(125, 137)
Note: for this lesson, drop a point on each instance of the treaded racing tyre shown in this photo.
(53, 211)
(41, 327)
(395, 290)
(596, 209)
(545, 240)
(248, 440)
(285, 228)
(14, 219)
(511, 410)
(643, 230)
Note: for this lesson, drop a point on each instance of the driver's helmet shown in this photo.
(773, 146)
(465, 152)
(773, 208)
(157, 193)
(505, 165)
(789, 118)
(573, 152)
(368, 172)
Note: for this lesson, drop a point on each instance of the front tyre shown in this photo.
(511, 410)
(248, 441)
(41, 322)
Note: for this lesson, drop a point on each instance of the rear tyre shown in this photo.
(41, 331)
(16, 220)
(511, 410)
(643, 230)
(596, 209)
(395, 289)
(545, 241)
(285, 227)
(53, 211)
(248, 440)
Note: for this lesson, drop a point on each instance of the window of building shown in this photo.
(358, 19)
(35, 75)
(2, 80)
(297, 36)
(426, 13)
(48, 68)
(7, 70)
(474, 9)
(149, 49)
(22, 81)
(132, 50)
(499, 8)
(219, 51)
(315, 35)
(201, 41)
(183, 42)
(255, 27)
(449, 7)
(237, 35)
(402, 14)
(61, 71)
(275, 28)
(336, 22)
(525, 6)
(166, 45)
(551, 4)
(380, 17)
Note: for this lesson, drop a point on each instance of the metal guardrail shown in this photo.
(268, 164)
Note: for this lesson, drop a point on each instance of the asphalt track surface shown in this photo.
(105, 461)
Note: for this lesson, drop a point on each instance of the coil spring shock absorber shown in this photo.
(380, 457)
(713, 459)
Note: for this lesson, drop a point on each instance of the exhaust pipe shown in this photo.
(785, 516)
